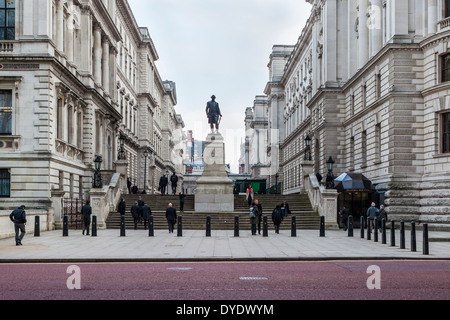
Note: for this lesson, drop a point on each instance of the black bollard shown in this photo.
(37, 226)
(294, 227)
(180, 226)
(322, 226)
(66, 226)
(350, 226)
(94, 226)
(413, 237)
(369, 232)
(122, 226)
(265, 227)
(375, 231)
(236, 226)
(402, 235)
(392, 233)
(362, 227)
(208, 226)
(426, 244)
(383, 231)
(151, 227)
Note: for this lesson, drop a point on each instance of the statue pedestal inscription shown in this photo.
(214, 191)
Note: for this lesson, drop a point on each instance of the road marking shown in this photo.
(179, 268)
(253, 278)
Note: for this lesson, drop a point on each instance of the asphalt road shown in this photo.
(232, 281)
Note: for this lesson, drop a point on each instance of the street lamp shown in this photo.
(122, 155)
(308, 148)
(276, 183)
(330, 176)
(330, 164)
(97, 175)
(167, 176)
(145, 169)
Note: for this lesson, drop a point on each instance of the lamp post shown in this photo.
(330, 177)
(167, 176)
(145, 170)
(276, 183)
(330, 164)
(308, 148)
(97, 175)
(122, 155)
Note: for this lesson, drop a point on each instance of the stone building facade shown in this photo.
(368, 82)
(75, 75)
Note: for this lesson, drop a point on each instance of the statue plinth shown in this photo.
(214, 191)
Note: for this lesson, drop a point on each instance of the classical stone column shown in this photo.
(60, 25)
(105, 65)
(97, 54)
(375, 27)
(69, 39)
(432, 16)
(363, 31)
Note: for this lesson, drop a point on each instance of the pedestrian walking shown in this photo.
(146, 213)
(174, 182)
(372, 214)
(259, 215)
(19, 218)
(129, 185)
(181, 195)
(135, 214)
(163, 184)
(171, 216)
(249, 195)
(121, 208)
(277, 218)
(140, 205)
(253, 218)
(86, 212)
(345, 215)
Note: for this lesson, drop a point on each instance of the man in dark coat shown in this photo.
(140, 205)
(18, 217)
(146, 213)
(86, 212)
(171, 216)
(163, 184)
(345, 215)
(121, 208)
(174, 182)
(135, 214)
(129, 185)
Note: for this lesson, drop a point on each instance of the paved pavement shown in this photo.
(221, 246)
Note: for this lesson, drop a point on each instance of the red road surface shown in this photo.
(240, 281)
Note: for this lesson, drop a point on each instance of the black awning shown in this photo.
(352, 182)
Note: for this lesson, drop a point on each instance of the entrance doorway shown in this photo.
(357, 203)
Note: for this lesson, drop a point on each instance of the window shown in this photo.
(7, 20)
(446, 68)
(5, 183)
(447, 8)
(5, 112)
(364, 149)
(446, 133)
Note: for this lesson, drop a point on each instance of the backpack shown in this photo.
(277, 213)
(252, 213)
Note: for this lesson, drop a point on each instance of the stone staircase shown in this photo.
(300, 206)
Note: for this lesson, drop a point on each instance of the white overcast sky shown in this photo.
(219, 47)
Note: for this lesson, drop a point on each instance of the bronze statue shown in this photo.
(213, 113)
